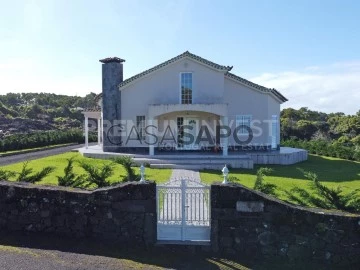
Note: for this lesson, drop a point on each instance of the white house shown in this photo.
(186, 104)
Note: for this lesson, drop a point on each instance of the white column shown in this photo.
(151, 139)
(86, 132)
(225, 142)
(99, 131)
(102, 129)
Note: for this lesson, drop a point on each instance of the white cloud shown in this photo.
(333, 88)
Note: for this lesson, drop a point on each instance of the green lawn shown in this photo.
(60, 161)
(331, 171)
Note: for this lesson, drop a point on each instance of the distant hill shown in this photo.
(27, 112)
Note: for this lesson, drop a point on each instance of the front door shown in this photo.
(192, 130)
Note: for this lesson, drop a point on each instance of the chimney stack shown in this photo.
(112, 76)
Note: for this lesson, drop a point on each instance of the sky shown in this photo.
(308, 50)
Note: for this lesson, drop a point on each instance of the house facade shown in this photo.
(187, 104)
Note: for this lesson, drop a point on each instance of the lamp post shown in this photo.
(225, 172)
(142, 173)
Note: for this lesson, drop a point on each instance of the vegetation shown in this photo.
(27, 175)
(326, 148)
(325, 197)
(44, 105)
(40, 139)
(6, 175)
(61, 161)
(127, 162)
(331, 172)
(30, 120)
(98, 176)
(70, 179)
(259, 185)
(333, 135)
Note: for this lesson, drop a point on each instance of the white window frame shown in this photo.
(140, 126)
(243, 119)
(192, 87)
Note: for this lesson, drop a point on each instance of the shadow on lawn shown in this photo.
(163, 257)
(328, 170)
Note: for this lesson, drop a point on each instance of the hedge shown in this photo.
(43, 138)
(325, 148)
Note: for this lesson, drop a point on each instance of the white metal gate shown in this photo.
(183, 211)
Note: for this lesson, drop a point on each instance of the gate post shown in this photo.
(183, 198)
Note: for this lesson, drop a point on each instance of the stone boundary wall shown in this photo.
(250, 223)
(124, 213)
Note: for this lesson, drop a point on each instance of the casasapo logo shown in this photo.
(169, 133)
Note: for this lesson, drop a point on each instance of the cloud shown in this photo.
(332, 88)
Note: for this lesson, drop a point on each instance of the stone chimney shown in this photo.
(112, 76)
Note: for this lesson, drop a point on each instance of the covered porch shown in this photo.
(187, 127)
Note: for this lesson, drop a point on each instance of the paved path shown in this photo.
(35, 155)
(192, 175)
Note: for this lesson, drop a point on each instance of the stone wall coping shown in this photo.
(69, 189)
(263, 196)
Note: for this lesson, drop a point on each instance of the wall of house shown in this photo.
(209, 86)
(274, 109)
(250, 223)
(124, 213)
(244, 101)
(163, 87)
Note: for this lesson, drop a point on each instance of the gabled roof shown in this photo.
(257, 86)
(172, 60)
(213, 65)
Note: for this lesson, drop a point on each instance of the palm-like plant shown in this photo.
(98, 176)
(259, 185)
(70, 179)
(127, 162)
(6, 175)
(325, 197)
(27, 175)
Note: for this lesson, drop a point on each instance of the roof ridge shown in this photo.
(172, 60)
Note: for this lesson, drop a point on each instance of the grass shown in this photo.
(60, 161)
(331, 171)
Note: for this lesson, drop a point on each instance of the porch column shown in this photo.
(99, 130)
(225, 142)
(86, 132)
(102, 128)
(151, 139)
